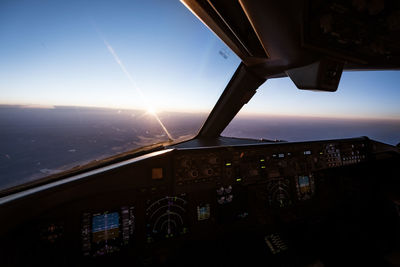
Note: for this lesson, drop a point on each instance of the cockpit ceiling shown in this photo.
(228, 21)
(309, 31)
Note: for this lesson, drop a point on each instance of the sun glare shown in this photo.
(151, 111)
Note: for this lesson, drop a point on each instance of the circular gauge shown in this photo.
(165, 218)
(213, 159)
(278, 191)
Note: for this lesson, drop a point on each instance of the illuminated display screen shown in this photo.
(304, 184)
(105, 226)
(203, 212)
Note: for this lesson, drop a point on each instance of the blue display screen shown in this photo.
(304, 181)
(104, 222)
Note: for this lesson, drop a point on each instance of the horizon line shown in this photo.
(245, 114)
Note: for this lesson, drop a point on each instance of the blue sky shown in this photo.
(55, 53)
(373, 94)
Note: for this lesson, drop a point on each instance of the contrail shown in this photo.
(132, 81)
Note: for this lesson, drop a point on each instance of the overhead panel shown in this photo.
(364, 32)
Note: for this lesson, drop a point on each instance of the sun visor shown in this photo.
(229, 22)
(323, 75)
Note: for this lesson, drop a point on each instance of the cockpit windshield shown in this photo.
(81, 81)
(365, 104)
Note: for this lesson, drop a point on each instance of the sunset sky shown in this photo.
(151, 55)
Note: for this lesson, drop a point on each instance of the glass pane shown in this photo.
(365, 104)
(85, 80)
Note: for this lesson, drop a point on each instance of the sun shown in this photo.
(152, 111)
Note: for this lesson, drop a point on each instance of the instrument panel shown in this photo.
(165, 218)
(106, 232)
(185, 194)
